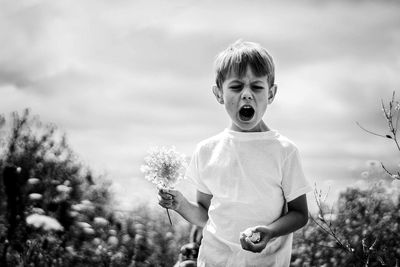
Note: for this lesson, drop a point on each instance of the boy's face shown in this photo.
(246, 99)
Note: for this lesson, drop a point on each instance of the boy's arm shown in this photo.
(195, 213)
(295, 219)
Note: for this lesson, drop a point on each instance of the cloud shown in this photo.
(123, 76)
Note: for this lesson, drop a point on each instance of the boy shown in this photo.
(250, 183)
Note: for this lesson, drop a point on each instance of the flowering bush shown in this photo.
(53, 212)
(365, 221)
(363, 230)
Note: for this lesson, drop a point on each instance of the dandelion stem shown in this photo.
(169, 217)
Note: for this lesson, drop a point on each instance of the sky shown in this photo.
(121, 76)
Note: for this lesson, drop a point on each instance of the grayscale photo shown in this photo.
(207, 133)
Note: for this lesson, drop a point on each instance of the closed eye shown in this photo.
(236, 87)
(258, 87)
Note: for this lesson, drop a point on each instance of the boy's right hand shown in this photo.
(170, 198)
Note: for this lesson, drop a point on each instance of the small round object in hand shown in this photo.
(253, 236)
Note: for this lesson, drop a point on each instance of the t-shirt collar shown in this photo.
(251, 135)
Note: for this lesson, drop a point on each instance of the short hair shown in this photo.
(240, 55)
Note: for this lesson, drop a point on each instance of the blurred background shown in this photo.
(121, 76)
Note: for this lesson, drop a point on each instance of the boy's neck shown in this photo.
(261, 127)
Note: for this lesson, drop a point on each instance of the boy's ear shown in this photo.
(218, 94)
(272, 93)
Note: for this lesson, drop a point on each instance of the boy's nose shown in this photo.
(246, 95)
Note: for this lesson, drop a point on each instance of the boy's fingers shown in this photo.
(165, 195)
(247, 244)
(168, 191)
(166, 204)
(243, 243)
(164, 200)
(258, 247)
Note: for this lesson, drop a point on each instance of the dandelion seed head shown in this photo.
(164, 166)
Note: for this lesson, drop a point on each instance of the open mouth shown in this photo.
(246, 113)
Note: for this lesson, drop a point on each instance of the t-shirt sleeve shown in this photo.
(294, 183)
(193, 173)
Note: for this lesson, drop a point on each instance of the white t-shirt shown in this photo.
(251, 176)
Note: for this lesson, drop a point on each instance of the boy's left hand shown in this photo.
(265, 236)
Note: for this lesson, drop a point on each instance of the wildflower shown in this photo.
(373, 164)
(139, 228)
(117, 257)
(112, 232)
(164, 166)
(33, 181)
(35, 196)
(45, 222)
(169, 235)
(38, 211)
(70, 250)
(96, 241)
(397, 107)
(73, 213)
(63, 189)
(297, 262)
(100, 221)
(139, 239)
(83, 225)
(327, 217)
(396, 183)
(125, 239)
(77, 207)
(88, 230)
(395, 176)
(86, 202)
(112, 241)
(85, 205)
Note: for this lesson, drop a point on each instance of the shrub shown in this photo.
(58, 214)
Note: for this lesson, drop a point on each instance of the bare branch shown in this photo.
(359, 125)
(386, 113)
